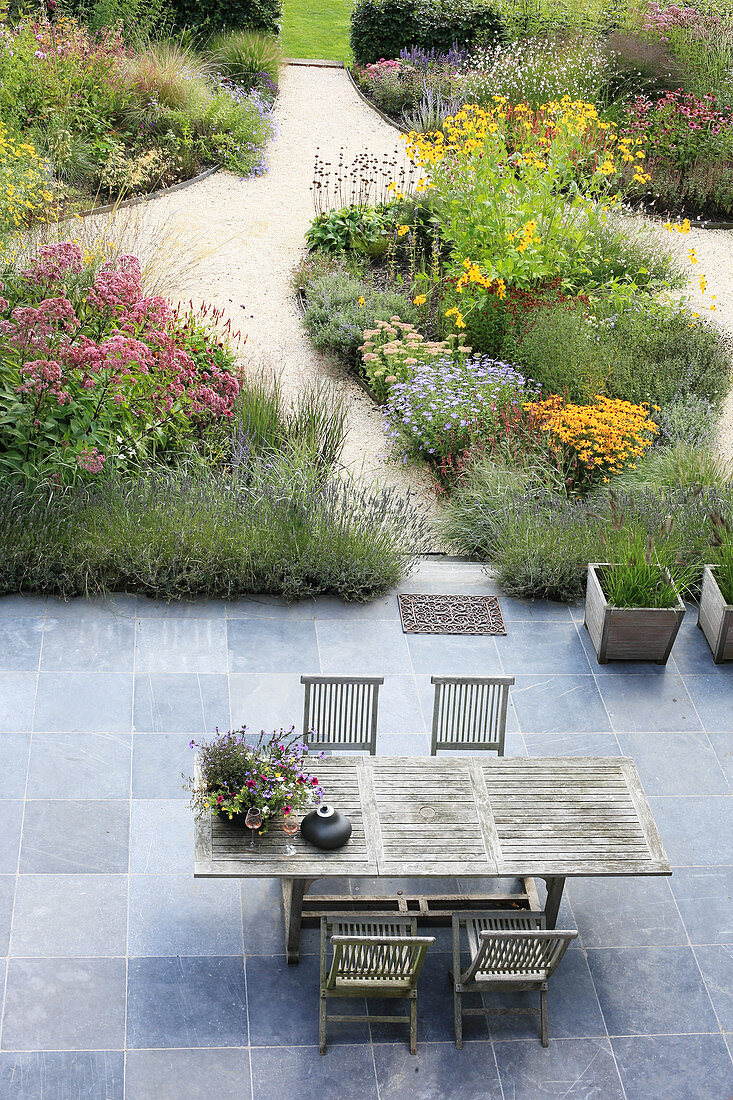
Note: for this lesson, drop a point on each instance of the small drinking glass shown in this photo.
(290, 827)
(253, 821)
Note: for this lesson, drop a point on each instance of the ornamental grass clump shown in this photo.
(450, 409)
(645, 571)
(270, 775)
(539, 543)
(722, 542)
(594, 442)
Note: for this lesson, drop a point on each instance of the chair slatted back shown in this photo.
(341, 711)
(498, 920)
(469, 712)
(387, 960)
(377, 924)
(531, 953)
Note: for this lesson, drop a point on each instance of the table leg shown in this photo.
(294, 890)
(555, 887)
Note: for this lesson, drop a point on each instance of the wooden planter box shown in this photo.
(715, 618)
(628, 633)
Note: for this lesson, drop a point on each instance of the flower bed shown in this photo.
(689, 143)
(93, 372)
(107, 119)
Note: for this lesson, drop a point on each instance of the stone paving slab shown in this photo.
(128, 979)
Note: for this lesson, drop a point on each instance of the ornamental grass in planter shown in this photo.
(715, 616)
(634, 607)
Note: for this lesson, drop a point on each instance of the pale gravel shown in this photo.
(714, 252)
(249, 235)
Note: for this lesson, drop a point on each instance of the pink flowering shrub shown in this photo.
(689, 150)
(95, 375)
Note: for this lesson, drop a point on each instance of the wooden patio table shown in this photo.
(544, 817)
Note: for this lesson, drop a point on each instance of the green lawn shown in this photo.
(317, 28)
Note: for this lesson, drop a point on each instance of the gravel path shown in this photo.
(714, 251)
(247, 235)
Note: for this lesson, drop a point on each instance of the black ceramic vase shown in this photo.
(326, 827)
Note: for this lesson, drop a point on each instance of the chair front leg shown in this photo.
(456, 978)
(458, 1017)
(543, 1014)
(322, 1023)
(413, 1022)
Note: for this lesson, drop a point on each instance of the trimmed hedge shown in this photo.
(256, 15)
(382, 28)
(208, 15)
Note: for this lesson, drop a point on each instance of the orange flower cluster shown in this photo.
(596, 440)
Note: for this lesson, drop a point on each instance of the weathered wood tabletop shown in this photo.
(545, 817)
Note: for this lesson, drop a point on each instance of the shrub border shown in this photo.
(138, 200)
(385, 118)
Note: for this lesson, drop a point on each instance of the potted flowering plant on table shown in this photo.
(634, 607)
(269, 775)
(715, 617)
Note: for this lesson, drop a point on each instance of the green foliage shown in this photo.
(243, 56)
(382, 28)
(177, 534)
(139, 19)
(722, 556)
(312, 428)
(357, 229)
(680, 466)
(215, 15)
(691, 420)
(117, 120)
(644, 570)
(336, 321)
(539, 543)
(522, 18)
(645, 352)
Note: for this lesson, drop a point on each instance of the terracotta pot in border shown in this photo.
(715, 618)
(628, 633)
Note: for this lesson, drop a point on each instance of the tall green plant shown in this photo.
(722, 541)
(644, 572)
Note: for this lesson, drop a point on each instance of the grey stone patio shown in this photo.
(125, 977)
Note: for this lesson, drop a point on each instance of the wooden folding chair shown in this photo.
(373, 956)
(469, 712)
(341, 712)
(509, 952)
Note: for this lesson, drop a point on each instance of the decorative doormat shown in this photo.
(450, 614)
